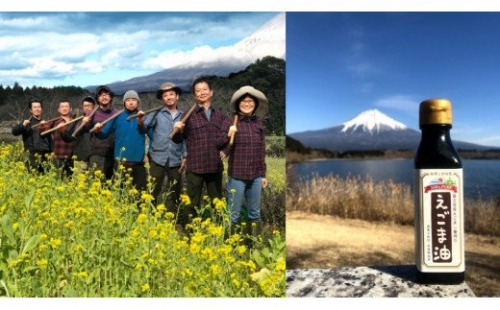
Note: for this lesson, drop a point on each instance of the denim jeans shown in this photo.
(251, 190)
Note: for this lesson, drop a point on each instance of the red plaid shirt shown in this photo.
(247, 157)
(61, 148)
(201, 141)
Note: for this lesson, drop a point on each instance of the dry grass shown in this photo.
(358, 198)
(318, 241)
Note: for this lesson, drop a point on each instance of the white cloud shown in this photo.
(53, 44)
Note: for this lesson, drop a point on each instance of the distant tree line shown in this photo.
(296, 152)
(266, 74)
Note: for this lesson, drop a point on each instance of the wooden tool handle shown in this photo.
(183, 120)
(108, 120)
(145, 112)
(61, 126)
(49, 121)
(77, 130)
(235, 122)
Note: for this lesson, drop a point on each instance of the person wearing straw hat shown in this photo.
(246, 159)
(166, 157)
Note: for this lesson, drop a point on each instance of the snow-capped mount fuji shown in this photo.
(372, 121)
(268, 40)
(370, 130)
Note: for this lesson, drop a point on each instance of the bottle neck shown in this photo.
(436, 131)
(436, 149)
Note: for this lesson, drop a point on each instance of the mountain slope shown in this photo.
(268, 40)
(370, 130)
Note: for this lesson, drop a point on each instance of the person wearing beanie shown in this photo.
(129, 141)
(101, 150)
(246, 161)
(165, 157)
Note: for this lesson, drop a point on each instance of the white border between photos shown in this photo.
(264, 5)
(247, 303)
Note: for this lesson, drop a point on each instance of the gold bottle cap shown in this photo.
(435, 111)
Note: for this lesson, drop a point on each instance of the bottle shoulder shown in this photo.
(437, 151)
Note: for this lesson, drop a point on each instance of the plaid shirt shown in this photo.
(62, 149)
(201, 141)
(102, 147)
(247, 157)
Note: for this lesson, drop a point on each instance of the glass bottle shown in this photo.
(438, 180)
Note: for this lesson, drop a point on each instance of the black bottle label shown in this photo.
(439, 230)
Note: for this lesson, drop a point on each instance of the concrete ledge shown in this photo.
(377, 281)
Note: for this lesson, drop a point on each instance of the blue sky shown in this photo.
(341, 64)
(91, 48)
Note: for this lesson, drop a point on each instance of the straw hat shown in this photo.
(166, 87)
(260, 108)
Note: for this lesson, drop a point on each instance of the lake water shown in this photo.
(481, 177)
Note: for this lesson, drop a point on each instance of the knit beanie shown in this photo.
(131, 94)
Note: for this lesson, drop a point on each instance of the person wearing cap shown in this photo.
(101, 150)
(165, 157)
(204, 162)
(39, 147)
(129, 141)
(246, 159)
(81, 149)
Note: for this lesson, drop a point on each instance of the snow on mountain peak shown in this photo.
(372, 120)
(268, 40)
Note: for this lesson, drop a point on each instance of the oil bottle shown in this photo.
(438, 185)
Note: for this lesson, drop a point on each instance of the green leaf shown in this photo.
(7, 229)
(29, 198)
(30, 244)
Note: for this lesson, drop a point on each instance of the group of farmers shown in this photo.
(174, 143)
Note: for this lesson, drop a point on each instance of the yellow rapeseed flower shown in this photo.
(187, 272)
(147, 197)
(216, 230)
(185, 200)
(241, 249)
(215, 270)
(141, 218)
(160, 207)
(194, 248)
(281, 265)
(145, 287)
(219, 204)
(42, 263)
(153, 233)
(54, 243)
(82, 274)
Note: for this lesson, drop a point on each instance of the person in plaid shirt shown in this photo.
(204, 162)
(63, 151)
(246, 159)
